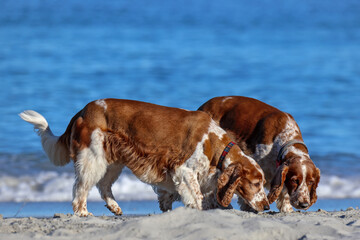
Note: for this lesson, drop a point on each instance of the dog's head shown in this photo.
(245, 180)
(301, 178)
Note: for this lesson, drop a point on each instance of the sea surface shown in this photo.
(302, 57)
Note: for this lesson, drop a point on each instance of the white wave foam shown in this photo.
(337, 187)
(54, 186)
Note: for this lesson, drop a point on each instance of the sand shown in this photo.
(185, 223)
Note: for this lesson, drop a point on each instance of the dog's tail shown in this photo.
(55, 148)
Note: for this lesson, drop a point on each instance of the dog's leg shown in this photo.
(90, 167)
(166, 199)
(283, 202)
(188, 187)
(210, 202)
(104, 186)
(244, 206)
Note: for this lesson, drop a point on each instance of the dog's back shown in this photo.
(161, 137)
(247, 120)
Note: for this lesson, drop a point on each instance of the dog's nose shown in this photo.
(266, 207)
(303, 205)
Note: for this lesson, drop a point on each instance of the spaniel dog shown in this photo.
(174, 150)
(274, 140)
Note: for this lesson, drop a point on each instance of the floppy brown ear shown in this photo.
(277, 183)
(313, 196)
(227, 183)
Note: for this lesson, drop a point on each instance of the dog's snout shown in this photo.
(303, 205)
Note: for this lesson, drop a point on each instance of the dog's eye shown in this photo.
(257, 184)
(311, 183)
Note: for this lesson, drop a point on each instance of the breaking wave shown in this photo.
(54, 186)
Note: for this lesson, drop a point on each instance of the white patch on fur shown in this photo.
(227, 162)
(303, 168)
(297, 152)
(102, 103)
(302, 193)
(198, 155)
(188, 176)
(215, 128)
(90, 167)
(225, 99)
(258, 197)
(289, 132)
(91, 161)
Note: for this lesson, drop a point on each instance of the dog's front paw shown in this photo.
(115, 209)
(285, 208)
(83, 214)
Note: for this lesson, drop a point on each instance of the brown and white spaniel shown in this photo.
(174, 150)
(274, 140)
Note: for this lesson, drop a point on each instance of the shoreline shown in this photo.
(142, 207)
(186, 223)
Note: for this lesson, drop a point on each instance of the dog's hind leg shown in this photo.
(90, 167)
(166, 199)
(104, 185)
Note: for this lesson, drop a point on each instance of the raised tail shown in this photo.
(57, 151)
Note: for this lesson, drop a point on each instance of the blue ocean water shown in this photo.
(55, 56)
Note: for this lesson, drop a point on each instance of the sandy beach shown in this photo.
(185, 223)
